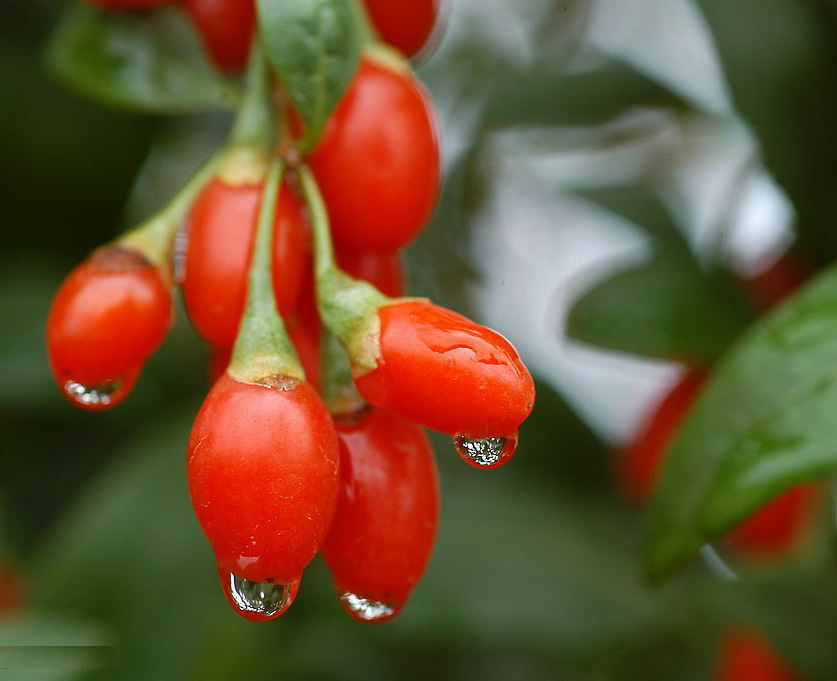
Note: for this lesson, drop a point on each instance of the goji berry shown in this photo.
(405, 25)
(747, 656)
(226, 28)
(387, 513)
(263, 476)
(220, 232)
(384, 270)
(108, 317)
(377, 163)
(444, 371)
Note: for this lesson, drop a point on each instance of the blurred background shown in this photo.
(622, 178)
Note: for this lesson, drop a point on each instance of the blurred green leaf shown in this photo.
(585, 98)
(314, 47)
(782, 77)
(667, 307)
(149, 61)
(764, 423)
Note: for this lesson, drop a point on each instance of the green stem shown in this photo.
(263, 349)
(254, 124)
(154, 238)
(348, 307)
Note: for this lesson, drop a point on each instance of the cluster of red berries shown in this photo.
(321, 447)
(226, 27)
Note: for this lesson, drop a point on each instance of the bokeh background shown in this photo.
(693, 140)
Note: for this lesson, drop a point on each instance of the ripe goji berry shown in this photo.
(226, 28)
(772, 530)
(387, 513)
(108, 317)
(220, 232)
(444, 371)
(377, 163)
(263, 476)
(305, 331)
(747, 656)
(384, 270)
(405, 25)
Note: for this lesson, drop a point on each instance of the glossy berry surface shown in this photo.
(444, 371)
(263, 475)
(305, 332)
(226, 28)
(387, 513)
(377, 163)
(746, 656)
(772, 530)
(220, 237)
(108, 317)
(405, 25)
(384, 270)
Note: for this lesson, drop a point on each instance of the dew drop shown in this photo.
(487, 452)
(367, 610)
(258, 600)
(102, 395)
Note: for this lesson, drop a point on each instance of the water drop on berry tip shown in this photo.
(258, 600)
(101, 396)
(366, 609)
(487, 452)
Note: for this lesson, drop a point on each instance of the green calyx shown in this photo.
(263, 352)
(348, 307)
(154, 238)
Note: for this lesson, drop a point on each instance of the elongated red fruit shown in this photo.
(226, 28)
(108, 317)
(220, 238)
(747, 656)
(383, 269)
(263, 476)
(405, 25)
(387, 513)
(377, 163)
(444, 371)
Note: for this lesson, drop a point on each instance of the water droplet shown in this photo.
(258, 601)
(366, 609)
(102, 395)
(487, 452)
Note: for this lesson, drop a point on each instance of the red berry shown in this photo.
(377, 163)
(387, 513)
(405, 25)
(775, 528)
(219, 360)
(263, 476)
(226, 28)
(639, 465)
(746, 656)
(220, 237)
(128, 4)
(777, 282)
(12, 590)
(109, 315)
(443, 371)
(384, 270)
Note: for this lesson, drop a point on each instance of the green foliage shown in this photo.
(314, 47)
(146, 62)
(667, 307)
(763, 424)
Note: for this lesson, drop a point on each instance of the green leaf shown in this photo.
(667, 307)
(149, 61)
(585, 98)
(764, 423)
(314, 46)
